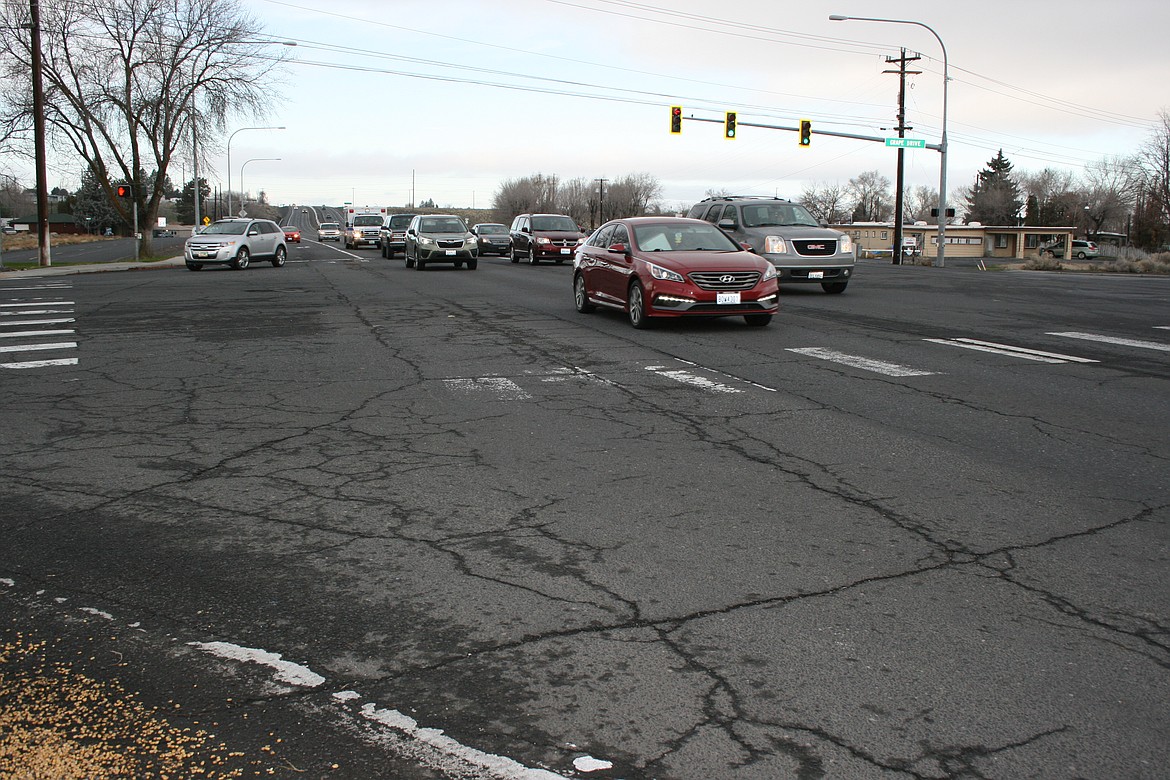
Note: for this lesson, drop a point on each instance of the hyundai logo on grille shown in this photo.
(727, 278)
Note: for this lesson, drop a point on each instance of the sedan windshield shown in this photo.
(494, 230)
(228, 228)
(449, 225)
(554, 223)
(683, 238)
(777, 215)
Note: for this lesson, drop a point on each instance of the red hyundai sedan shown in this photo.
(292, 233)
(659, 267)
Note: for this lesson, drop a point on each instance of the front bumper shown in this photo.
(671, 299)
(442, 255)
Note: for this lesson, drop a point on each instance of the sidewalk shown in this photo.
(90, 268)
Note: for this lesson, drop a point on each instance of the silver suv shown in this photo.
(235, 242)
(785, 234)
(440, 238)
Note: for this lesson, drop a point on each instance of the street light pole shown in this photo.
(942, 146)
(229, 162)
(254, 159)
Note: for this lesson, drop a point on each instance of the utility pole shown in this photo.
(39, 135)
(601, 200)
(901, 128)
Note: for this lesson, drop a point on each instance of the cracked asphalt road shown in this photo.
(459, 501)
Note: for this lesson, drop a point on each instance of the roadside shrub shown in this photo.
(1150, 264)
(1042, 263)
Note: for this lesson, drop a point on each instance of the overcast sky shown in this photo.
(1053, 84)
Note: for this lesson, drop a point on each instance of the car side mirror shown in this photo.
(823, 222)
(747, 247)
(253, 232)
(619, 249)
(525, 230)
(727, 224)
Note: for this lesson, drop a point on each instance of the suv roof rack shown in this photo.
(744, 197)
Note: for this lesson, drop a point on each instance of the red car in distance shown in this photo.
(658, 267)
(292, 233)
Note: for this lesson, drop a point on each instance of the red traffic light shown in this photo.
(676, 119)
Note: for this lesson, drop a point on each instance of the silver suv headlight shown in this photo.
(845, 245)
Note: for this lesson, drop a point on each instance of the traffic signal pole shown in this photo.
(796, 129)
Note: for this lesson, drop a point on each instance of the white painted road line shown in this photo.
(35, 333)
(730, 376)
(30, 312)
(41, 302)
(693, 380)
(41, 363)
(1160, 346)
(1011, 351)
(41, 287)
(15, 323)
(39, 347)
(867, 364)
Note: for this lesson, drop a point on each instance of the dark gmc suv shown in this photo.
(785, 234)
(544, 237)
(392, 234)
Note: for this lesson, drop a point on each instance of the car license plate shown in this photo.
(564, 251)
(450, 253)
(816, 274)
(203, 254)
(727, 297)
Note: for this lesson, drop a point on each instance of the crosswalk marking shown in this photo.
(41, 363)
(1160, 346)
(1011, 351)
(867, 364)
(30, 333)
(39, 347)
(14, 323)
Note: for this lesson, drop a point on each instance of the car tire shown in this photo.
(472, 264)
(458, 264)
(757, 320)
(383, 248)
(560, 261)
(194, 266)
(636, 306)
(1080, 255)
(409, 260)
(419, 263)
(532, 259)
(513, 256)
(581, 295)
(834, 288)
(279, 258)
(242, 259)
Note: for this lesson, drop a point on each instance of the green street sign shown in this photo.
(907, 143)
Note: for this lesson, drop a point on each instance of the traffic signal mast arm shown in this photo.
(796, 129)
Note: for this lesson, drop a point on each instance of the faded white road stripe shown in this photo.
(687, 378)
(39, 347)
(1010, 351)
(41, 363)
(18, 323)
(502, 387)
(1158, 345)
(286, 671)
(867, 364)
(35, 333)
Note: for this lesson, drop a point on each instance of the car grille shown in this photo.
(815, 248)
(449, 244)
(563, 242)
(729, 280)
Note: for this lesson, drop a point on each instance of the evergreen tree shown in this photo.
(994, 198)
(185, 208)
(92, 206)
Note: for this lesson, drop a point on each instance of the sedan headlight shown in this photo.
(774, 245)
(770, 273)
(845, 245)
(658, 272)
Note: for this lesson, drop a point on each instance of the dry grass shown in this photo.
(24, 240)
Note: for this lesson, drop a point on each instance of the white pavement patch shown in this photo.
(445, 751)
(286, 671)
(867, 364)
(8, 582)
(591, 764)
(687, 378)
(97, 612)
(1158, 345)
(501, 387)
(1011, 351)
(41, 363)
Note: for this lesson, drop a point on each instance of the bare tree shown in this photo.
(826, 201)
(529, 194)
(578, 198)
(917, 204)
(631, 195)
(870, 194)
(1154, 160)
(125, 79)
(1111, 186)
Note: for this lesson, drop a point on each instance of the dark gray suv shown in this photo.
(785, 234)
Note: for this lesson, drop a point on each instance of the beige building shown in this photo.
(876, 239)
